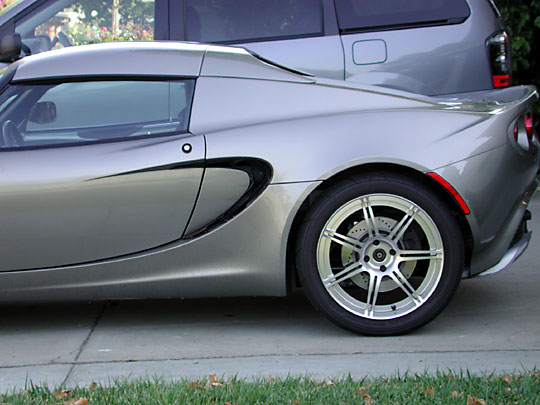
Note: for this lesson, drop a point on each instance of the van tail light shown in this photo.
(500, 59)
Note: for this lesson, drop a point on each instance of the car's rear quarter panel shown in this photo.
(311, 133)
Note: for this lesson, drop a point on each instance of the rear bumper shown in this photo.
(510, 257)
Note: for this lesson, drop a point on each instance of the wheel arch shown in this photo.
(386, 168)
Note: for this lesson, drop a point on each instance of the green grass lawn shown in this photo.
(408, 389)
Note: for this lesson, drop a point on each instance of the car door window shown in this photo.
(92, 111)
(252, 20)
(366, 14)
(66, 22)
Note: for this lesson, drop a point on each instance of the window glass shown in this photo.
(66, 22)
(249, 20)
(49, 114)
(362, 14)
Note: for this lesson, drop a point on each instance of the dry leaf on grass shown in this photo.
(507, 379)
(80, 401)
(367, 399)
(63, 394)
(430, 391)
(455, 395)
(475, 401)
(328, 383)
(361, 390)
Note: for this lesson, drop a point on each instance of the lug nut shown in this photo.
(383, 268)
(376, 242)
(366, 258)
(392, 252)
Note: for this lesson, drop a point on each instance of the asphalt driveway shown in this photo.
(492, 325)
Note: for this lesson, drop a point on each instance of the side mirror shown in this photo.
(43, 113)
(10, 48)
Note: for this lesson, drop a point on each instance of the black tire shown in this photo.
(323, 252)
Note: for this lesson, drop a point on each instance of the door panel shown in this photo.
(61, 206)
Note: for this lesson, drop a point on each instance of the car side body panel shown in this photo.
(306, 131)
(234, 260)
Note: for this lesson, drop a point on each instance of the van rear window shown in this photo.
(375, 14)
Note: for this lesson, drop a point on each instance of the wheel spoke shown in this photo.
(413, 255)
(403, 224)
(369, 217)
(349, 271)
(344, 240)
(373, 292)
(404, 284)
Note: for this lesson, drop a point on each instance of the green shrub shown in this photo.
(522, 19)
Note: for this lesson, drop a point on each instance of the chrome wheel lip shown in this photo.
(415, 297)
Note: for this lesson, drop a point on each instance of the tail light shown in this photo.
(529, 125)
(523, 132)
(500, 59)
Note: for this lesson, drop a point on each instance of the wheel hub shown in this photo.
(379, 253)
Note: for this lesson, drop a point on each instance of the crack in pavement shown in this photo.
(83, 344)
(249, 356)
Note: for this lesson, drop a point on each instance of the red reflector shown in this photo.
(501, 80)
(529, 125)
(452, 191)
(516, 131)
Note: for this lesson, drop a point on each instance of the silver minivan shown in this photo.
(430, 47)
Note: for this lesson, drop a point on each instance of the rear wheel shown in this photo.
(379, 255)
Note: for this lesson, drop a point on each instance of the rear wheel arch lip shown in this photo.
(382, 168)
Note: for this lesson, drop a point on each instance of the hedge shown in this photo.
(522, 19)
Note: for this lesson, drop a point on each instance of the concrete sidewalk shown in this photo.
(492, 325)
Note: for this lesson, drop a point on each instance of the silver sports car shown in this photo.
(146, 170)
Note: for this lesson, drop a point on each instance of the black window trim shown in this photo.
(403, 26)
(89, 78)
(379, 28)
(268, 39)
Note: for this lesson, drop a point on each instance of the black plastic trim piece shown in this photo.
(282, 67)
(269, 39)
(260, 174)
(194, 164)
(455, 21)
(102, 78)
